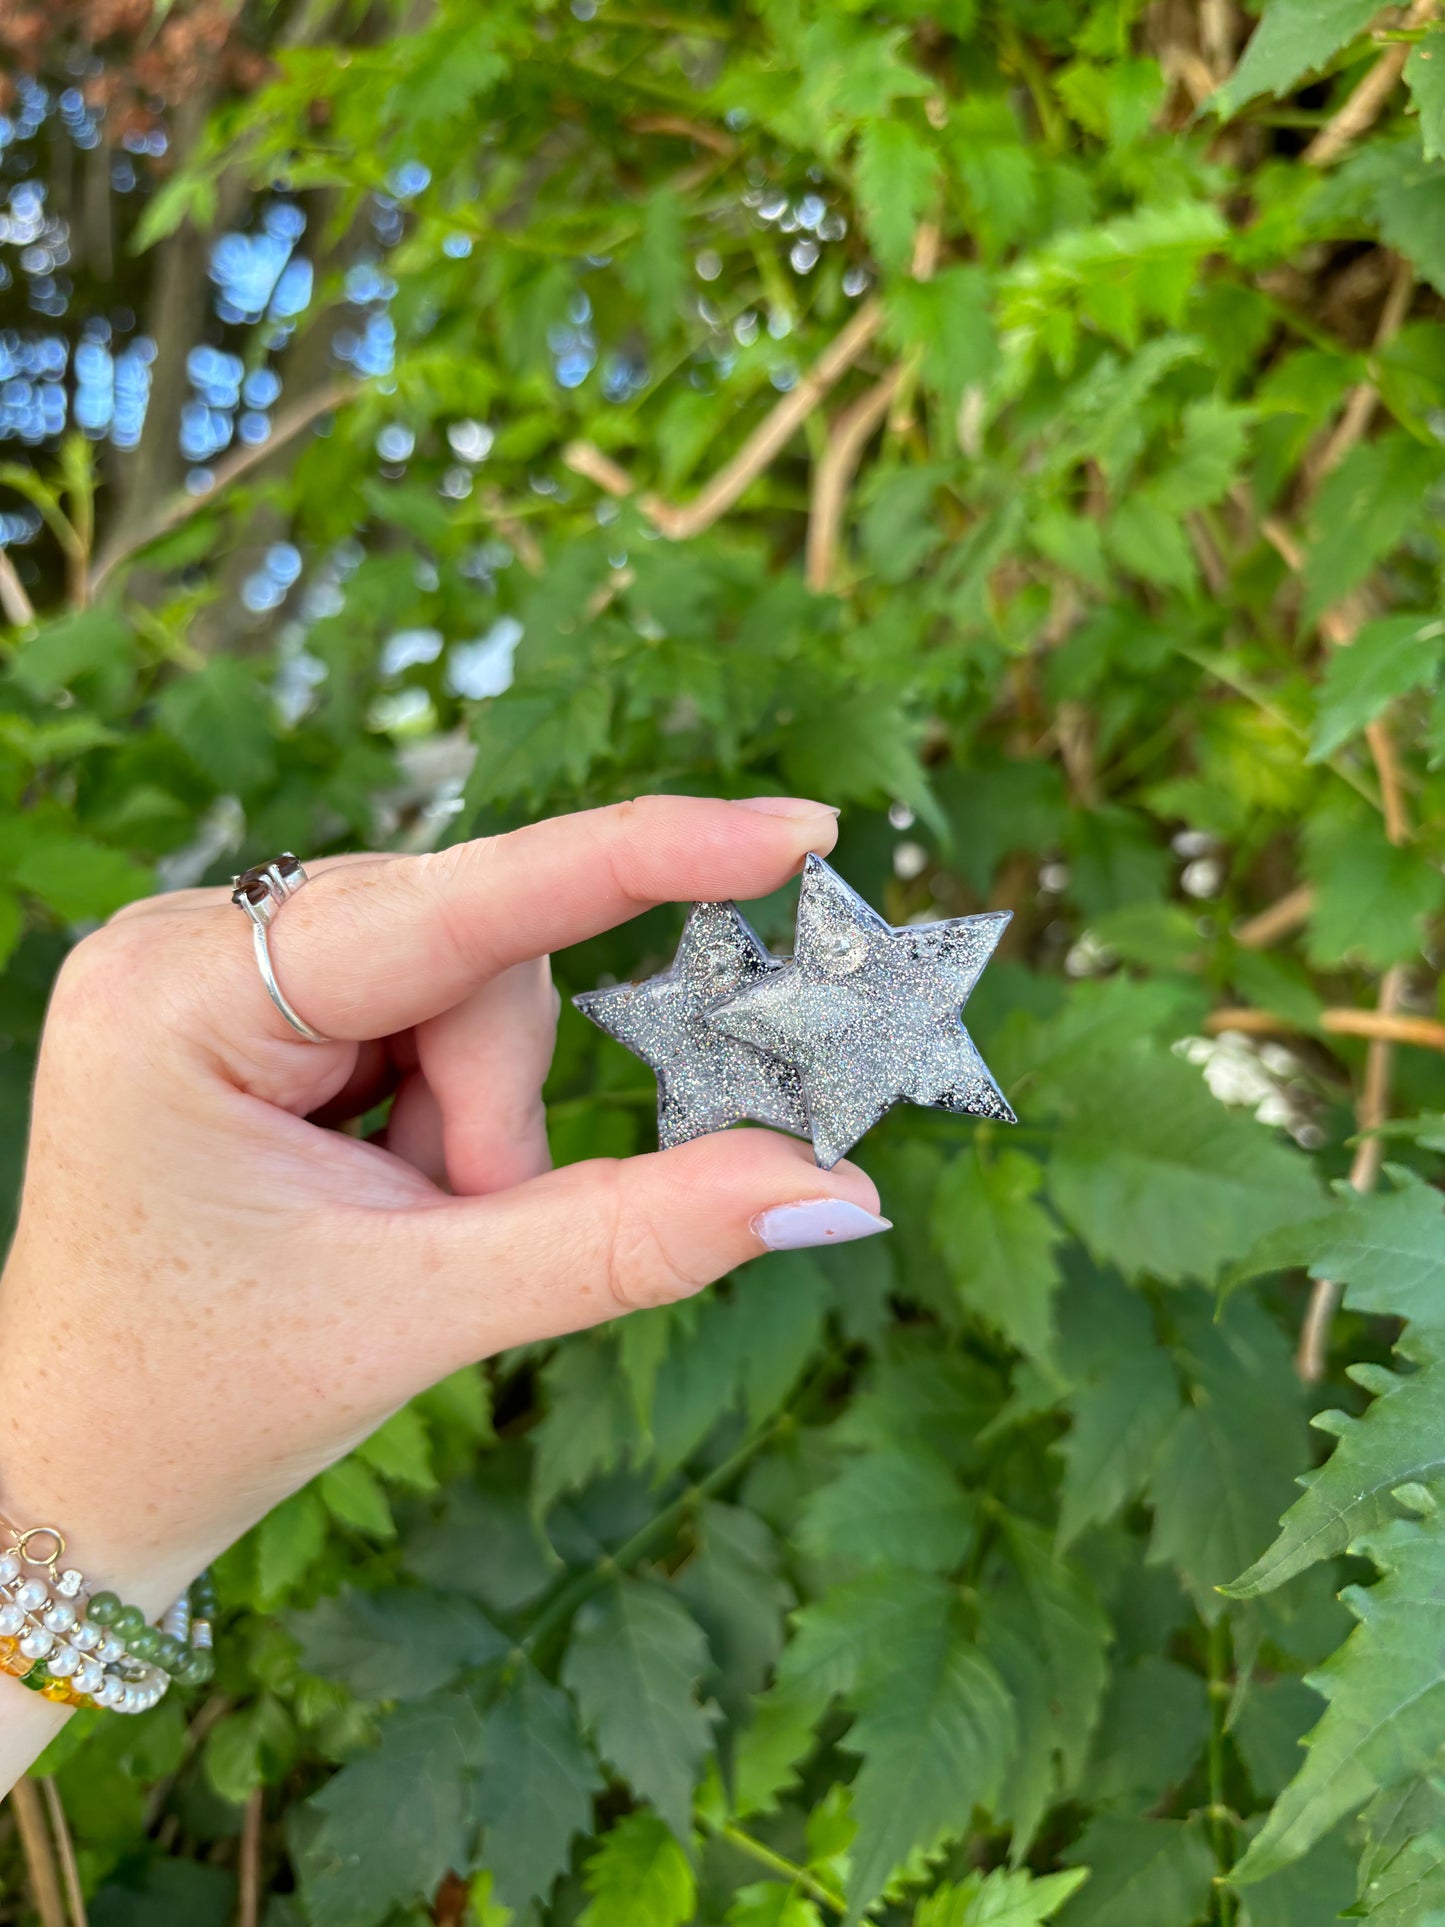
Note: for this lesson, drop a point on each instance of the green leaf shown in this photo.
(74, 876)
(1387, 1249)
(890, 1612)
(1226, 1469)
(1386, 1692)
(999, 1899)
(999, 1245)
(898, 1506)
(1363, 510)
(354, 1495)
(1425, 77)
(634, 1662)
(1152, 1729)
(1123, 1405)
(948, 321)
(220, 718)
(1293, 38)
(780, 1305)
(401, 1451)
(898, 180)
(733, 1589)
(639, 1877)
(534, 1790)
(90, 642)
(589, 1422)
(935, 1730)
(392, 1823)
(1388, 658)
(657, 272)
(396, 1645)
(288, 1543)
(771, 1904)
(1400, 1441)
(1157, 1176)
(1370, 898)
(527, 742)
(1142, 1873)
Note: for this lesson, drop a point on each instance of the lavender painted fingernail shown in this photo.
(816, 1221)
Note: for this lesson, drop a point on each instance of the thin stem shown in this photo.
(576, 1591)
(40, 1868)
(65, 1849)
(1221, 1820)
(777, 1863)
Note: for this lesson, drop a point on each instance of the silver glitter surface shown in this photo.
(705, 1079)
(870, 1015)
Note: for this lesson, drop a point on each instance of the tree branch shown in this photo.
(833, 476)
(680, 521)
(19, 609)
(65, 1847)
(40, 1866)
(1364, 105)
(1371, 1113)
(1382, 1025)
(180, 508)
(1359, 409)
(1268, 926)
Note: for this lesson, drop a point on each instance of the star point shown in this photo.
(871, 1014)
(705, 1079)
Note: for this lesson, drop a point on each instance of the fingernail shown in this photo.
(816, 1221)
(785, 806)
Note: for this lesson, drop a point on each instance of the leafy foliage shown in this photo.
(982, 416)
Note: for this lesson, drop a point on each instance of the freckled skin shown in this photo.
(211, 1298)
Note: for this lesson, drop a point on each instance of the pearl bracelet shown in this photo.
(78, 1648)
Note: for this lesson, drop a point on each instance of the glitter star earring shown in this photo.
(706, 1080)
(870, 1015)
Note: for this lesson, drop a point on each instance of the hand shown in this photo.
(212, 1296)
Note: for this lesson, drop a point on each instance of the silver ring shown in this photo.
(260, 892)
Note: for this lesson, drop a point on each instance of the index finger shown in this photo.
(365, 951)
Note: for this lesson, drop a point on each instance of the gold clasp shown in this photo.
(23, 1542)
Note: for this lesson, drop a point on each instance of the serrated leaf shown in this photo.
(1000, 1899)
(395, 1645)
(835, 1637)
(935, 1730)
(1363, 510)
(1157, 1176)
(219, 716)
(999, 1245)
(354, 1495)
(634, 1662)
(1142, 1873)
(657, 270)
(1227, 1467)
(1293, 38)
(1152, 1729)
(352, 1870)
(534, 1789)
(1123, 1404)
(288, 1542)
(898, 179)
(1399, 1441)
(1371, 898)
(589, 1423)
(780, 1305)
(734, 1590)
(1387, 1249)
(1388, 658)
(898, 1506)
(771, 1904)
(1425, 77)
(639, 1877)
(401, 1451)
(1386, 1692)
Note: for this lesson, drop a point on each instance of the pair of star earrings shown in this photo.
(862, 1016)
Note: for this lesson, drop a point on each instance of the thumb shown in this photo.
(595, 1240)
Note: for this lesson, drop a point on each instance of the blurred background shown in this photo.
(1022, 423)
